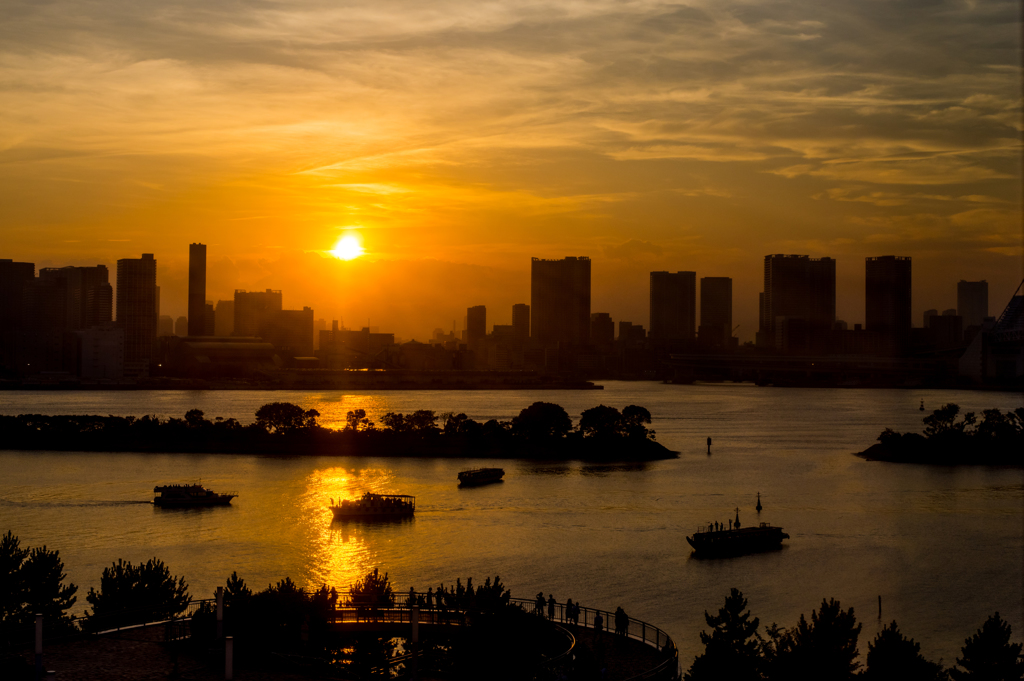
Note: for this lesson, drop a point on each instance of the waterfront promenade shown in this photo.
(587, 648)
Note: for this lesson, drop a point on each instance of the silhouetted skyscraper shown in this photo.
(14, 277)
(799, 289)
(90, 297)
(887, 295)
(165, 325)
(560, 300)
(673, 306)
(602, 329)
(137, 311)
(224, 322)
(521, 320)
(197, 291)
(476, 324)
(972, 301)
(253, 309)
(715, 310)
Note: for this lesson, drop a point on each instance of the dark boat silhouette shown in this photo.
(375, 506)
(480, 476)
(189, 496)
(737, 540)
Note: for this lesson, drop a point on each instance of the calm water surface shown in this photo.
(942, 546)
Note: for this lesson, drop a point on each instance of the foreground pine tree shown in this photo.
(732, 649)
(989, 655)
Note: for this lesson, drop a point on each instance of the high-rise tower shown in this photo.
(560, 300)
(887, 302)
(137, 311)
(197, 291)
(972, 301)
(673, 309)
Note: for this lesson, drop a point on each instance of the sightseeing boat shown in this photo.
(711, 540)
(480, 476)
(189, 495)
(377, 506)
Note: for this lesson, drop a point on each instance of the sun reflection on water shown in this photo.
(333, 407)
(340, 552)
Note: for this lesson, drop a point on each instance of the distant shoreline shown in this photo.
(542, 431)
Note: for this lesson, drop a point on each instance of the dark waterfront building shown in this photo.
(253, 309)
(181, 326)
(928, 314)
(715, 328)
(224, 321)
(476, 324)
(799, 296)
(673, 300)
(14, 277)
(887, 295)
(521, 320)
(197, 291)
(137, 311)
(947, 329)
(164, 325)
(560, 301)
(90, 298)
(290, 332)
(602, 329)
(972, 301)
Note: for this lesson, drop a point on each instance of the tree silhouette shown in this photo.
(824, 648)
(893, 657)
(283, 417)
(542, 421)
(131, 594)
(31, 582)
(732, 649)
(989, 655)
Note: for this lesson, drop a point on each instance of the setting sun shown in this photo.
(347, 247)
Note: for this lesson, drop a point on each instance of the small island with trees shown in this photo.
(996, 440)
(541, 431)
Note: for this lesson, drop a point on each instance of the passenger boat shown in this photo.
(480, 476)
(189, 495)
(735, 541)
(372, 505)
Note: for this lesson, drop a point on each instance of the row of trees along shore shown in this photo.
(286, 624)
(997, 439)
(543, 430)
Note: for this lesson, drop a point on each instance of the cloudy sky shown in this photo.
(457, 139)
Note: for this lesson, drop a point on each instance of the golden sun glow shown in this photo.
(347, 247)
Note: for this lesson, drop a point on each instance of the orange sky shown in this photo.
(462, 138)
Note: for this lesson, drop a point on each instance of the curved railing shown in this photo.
(400, 612)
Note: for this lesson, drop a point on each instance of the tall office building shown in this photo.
(928, 314)
(197, 291)
(14, 277)
(253, 309)
(560, 301)
(673, 306)
(972, 301)
(521, 320)
(476, 324)
(602, 329)
(290, 331)
(887, 302)
(90, 297)
(137, 311)
(715, 311)
(224, 321)
(798, 289)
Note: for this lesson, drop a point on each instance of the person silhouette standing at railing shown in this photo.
(621, 622)
(430, 598)
(551, 606)
(598, 621)
(539, 605)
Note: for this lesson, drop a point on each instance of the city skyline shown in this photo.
(453, 143)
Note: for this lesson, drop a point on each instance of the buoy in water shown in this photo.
(758, 507)
(921, 408)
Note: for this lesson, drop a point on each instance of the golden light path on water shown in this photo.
(339, 551)
(333, 408)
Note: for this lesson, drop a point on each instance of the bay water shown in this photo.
(942, 546)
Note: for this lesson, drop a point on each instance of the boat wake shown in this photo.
(69, 504)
